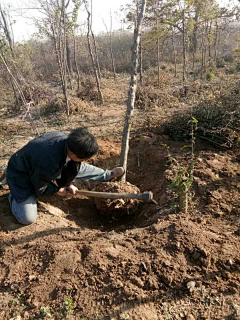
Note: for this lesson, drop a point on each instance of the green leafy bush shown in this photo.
(210, 76)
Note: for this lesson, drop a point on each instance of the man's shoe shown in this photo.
(117, 172)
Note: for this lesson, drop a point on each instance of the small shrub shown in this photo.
(216, 124)
(68, 307)
(238, 67)
(88, 91)
(228, 58)
(182, 178)
(147, 98)
(232, 70)
(45, 311)
(55, 105)
(37, 92)
(144, 98)
(210, 76)
(220, 63)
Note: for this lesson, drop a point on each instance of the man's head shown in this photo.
(81, 144)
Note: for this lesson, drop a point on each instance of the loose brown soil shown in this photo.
(117, 207)
(155, 264)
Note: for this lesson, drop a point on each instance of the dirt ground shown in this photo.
(75, 263)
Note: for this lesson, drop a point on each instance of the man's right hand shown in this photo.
(62, 192)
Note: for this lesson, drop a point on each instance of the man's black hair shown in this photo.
(82, 143)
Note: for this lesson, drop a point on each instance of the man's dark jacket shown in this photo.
(33, 169)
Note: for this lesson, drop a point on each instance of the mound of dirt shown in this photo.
(116, 206)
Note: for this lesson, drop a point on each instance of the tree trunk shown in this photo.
(194, 35)
(202, 55)
(184, 49)
(158, 60)
(76, 64)
(58, 53)
(183, 202)
(193, 60)
(14, 82)
(92, 59)
(140, 61)
(111, 49)
(96, 54)
(109, 33)
(132, 91)
(69, 77)
(205, 46)
(64, 58)
(174, 55)
(209, 44)
(68, 51)
(158, 54)
(14, 91)
(7, 31)
(215, 43)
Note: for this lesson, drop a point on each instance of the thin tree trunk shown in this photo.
(109, 33)
(158, 60)
(202, 55)
(7, 31)
(92, 59)
(174, 55)
(60, 67)
(209, 44)
(183, 202)
(132, 91)
(111, 49)
(94, 43)
(76, 64)
(184, 49)
(140, 61)
(96, 54)
(69, 77)
(14, 91)
(68, 51)
(13, 80)
(64, 57)
(158, 54)
(14, 88)
(193, 60)
(215, 43)
(205, 46)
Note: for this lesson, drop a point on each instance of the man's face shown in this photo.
(73, 157)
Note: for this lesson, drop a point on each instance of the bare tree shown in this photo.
(184, 46)
(109, 33)
(75, 61)
(96, 54)
(132, 90)
(53, 25)
(140, 60)
(174, 54)
(95, 69)
(95, 44)
(4, 25)
(14, 82)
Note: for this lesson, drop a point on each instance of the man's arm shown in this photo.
(44, 187)
(69, 172)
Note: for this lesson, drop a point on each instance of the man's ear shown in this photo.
(70, 154)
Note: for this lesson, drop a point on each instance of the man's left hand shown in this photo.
(72, 189)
